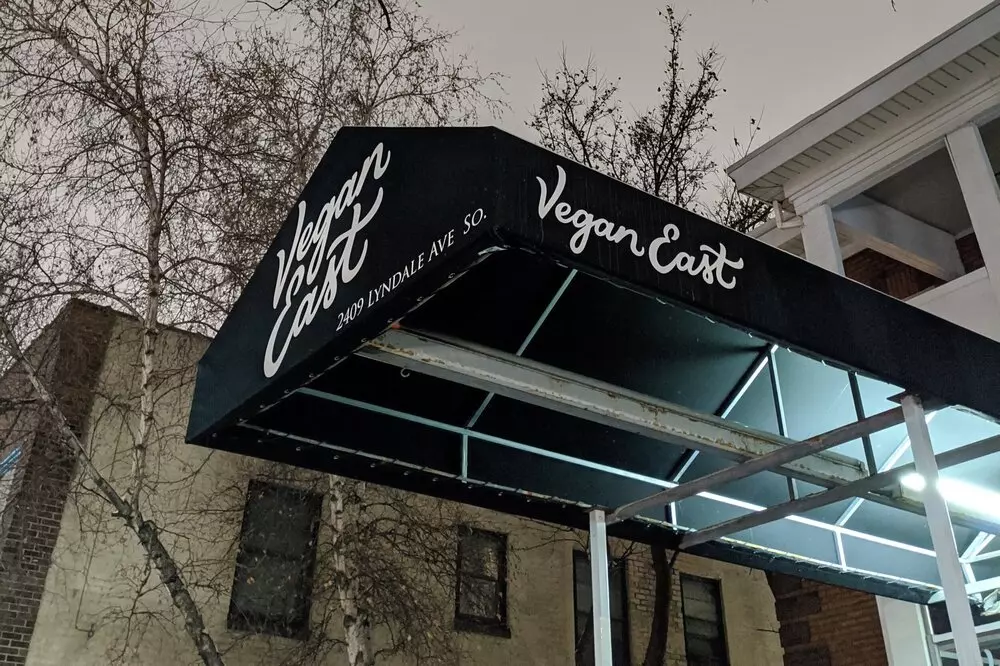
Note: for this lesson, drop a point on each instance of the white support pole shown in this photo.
(819, 237)
(942, 536)
(982, 196)
(600, 588)
(904, 632)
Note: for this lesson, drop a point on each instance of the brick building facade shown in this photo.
(68, 358)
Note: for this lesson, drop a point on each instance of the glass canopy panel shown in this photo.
(639, 344)
(811, 541)
(902, 526)
(951, 428)
(755, 408)
(887, 444)
(570, 436)
(817, 398)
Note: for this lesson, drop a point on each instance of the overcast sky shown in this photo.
(787, 57)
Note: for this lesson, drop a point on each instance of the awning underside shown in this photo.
(492, 450)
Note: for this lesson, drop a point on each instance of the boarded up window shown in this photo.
(273, 582)
(481, 590)
(704, 630)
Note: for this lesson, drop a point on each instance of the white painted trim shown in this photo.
(819, 237)
(904, 632)
(942, 534)
(869, 164)
(778, 236)
(901, 237)
(762, 229)
(979, 187)
(883, 86)
(925, 297)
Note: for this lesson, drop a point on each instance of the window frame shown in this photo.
(10, 462)
(473, 623)
(716, 583)
(259, 623)
(579, 555)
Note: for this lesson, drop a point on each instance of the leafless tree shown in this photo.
(730, 207)
(660, 150)
(149, 150)
(344, 69)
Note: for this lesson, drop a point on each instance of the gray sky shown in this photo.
(787, 57)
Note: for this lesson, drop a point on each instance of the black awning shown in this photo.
(472, 235)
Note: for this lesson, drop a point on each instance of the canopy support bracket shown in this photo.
(768, 461)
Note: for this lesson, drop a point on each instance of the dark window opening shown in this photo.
(481, 587)
(704, 629)
(584, 619)
(272, 587)
(8, 466)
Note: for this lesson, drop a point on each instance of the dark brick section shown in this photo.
(799, 605)
(69, 354)
(888, 275)
(901, 281)
(814, 656)
(794, 634)
(968, 250)
(822, 625)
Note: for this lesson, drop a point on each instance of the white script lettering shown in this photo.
(584, 222)
(709, 267)
(312, 240)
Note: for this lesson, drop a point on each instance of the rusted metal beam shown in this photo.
(528, 381)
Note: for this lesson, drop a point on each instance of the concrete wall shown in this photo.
(91, 613)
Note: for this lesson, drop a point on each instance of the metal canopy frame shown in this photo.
(518, 378)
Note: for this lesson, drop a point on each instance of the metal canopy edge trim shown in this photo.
(679, 531)
(503, 441)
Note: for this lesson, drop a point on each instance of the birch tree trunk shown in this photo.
(357, 623)
(146, 531)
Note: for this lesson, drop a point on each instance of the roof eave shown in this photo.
(951, 44)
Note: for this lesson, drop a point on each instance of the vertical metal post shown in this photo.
(600, 587)
(942, 536)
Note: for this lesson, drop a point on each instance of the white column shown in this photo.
(982, 196)
(600, 588)
(904, 632)
(819, 236)
(942, 536)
